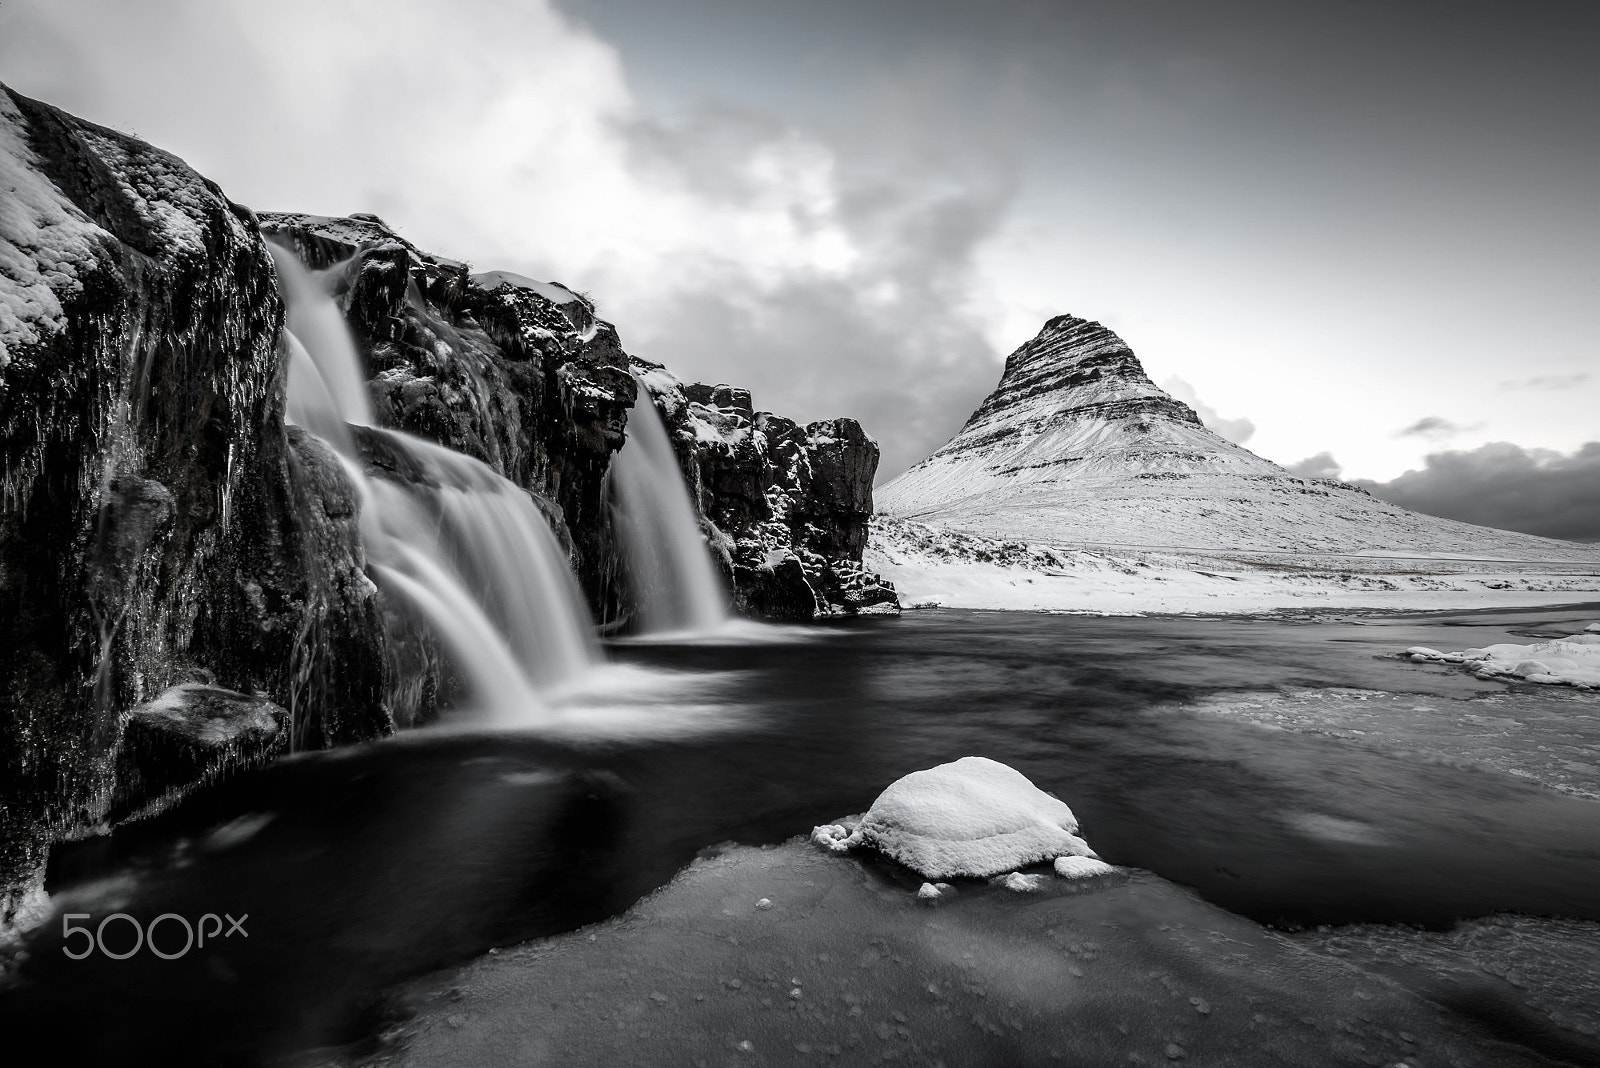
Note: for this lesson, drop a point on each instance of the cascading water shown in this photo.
(467, 548)
(674, 582)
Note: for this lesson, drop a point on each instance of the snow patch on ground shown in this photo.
(937, 567)
(973, 817)
(1081, 867)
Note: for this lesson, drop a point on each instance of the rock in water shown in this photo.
(1076, 445)
(190, 733)
(973, 817)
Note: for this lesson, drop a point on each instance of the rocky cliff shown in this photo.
(1076, 446)
(786, 504)
(183, 585)
(523, 375)
(164, 543)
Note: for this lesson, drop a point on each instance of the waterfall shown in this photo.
(464, 546)
(674, 582)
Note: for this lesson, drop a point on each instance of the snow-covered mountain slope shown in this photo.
(1077, 446)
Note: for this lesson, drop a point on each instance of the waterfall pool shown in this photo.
(1324, 849)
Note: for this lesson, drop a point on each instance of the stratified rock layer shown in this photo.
(1076, 446)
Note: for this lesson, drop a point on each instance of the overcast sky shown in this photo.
(1356, 234)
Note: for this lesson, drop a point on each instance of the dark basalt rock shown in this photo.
(150, 529)
(793, 501)
(191, 734)
(523, 376)
(518, 374)
(777, 589)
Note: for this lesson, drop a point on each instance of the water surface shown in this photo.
(362, 867)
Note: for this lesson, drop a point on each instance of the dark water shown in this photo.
(360, 868)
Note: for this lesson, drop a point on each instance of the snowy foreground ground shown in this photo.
(932, 567)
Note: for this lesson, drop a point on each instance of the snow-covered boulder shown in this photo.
(973, 817)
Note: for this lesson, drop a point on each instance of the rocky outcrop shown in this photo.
(151, 533)
(1077, 447)
(190, 734)
(789, 504)
(522, 375)
(516, 373)
(183, 584)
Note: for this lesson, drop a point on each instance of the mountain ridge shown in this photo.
(1077, 445)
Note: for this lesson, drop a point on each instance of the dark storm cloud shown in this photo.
(1536, 491)
(1315, 136)
(893, 341)
(1322, 465)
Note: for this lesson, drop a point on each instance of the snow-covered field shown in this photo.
(931, 567)
(1079, 485)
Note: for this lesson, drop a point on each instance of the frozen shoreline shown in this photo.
(931, 567)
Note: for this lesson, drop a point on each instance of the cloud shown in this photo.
(1550, 382)
(1536, 491)
(1237, 431)
(1322, 465)
(726, 242)
(1434, 428)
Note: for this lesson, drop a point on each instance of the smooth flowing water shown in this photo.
(468, 549)
(361, 867)
(674, 582)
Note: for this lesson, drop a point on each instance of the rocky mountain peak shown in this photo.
(1077, 446)
(1071, 370)
(1075, 399)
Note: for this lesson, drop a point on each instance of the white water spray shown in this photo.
(674, 581)
(467, 548)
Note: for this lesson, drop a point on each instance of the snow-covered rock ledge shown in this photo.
(972, 818)
(1570, 661)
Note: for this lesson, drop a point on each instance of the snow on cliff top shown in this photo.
(48, 245)
(551, 291)
(44, 242)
